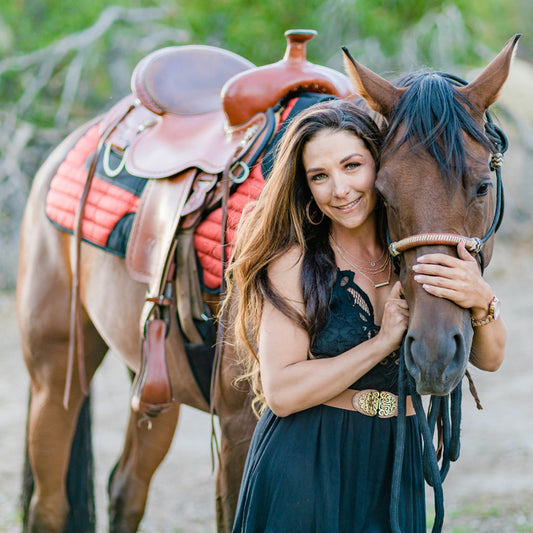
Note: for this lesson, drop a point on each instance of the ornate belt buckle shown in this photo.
(372, 403)
(388, 405)
(367, 402)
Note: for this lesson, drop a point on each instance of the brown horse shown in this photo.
(435, 180)
(111, 306)
(439, 336)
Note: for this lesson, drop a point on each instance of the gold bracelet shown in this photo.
(492, 314)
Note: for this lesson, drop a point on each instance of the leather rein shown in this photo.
(444, 411)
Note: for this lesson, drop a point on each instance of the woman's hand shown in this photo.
(459, 279)
(395, 319)
(455, 278)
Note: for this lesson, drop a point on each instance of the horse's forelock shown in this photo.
(433, 115)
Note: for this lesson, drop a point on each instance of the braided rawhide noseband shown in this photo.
(472, 244)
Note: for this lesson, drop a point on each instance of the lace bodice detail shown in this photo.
(351, 322)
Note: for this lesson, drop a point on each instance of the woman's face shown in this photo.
(341, 174)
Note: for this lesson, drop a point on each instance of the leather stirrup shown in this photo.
(152, 392)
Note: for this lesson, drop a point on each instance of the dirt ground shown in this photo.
(489, 490)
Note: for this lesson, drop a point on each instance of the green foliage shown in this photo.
(387, 19)
(38, 23)
(250, 28)
(254, 28)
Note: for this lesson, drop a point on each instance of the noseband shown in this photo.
(472, 244)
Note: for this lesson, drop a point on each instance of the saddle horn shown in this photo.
(255, 90)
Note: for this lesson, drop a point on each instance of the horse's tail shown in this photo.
(80, 478)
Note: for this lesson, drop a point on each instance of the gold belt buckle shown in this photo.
(372, 403)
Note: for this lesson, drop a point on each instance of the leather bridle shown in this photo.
(472, 244)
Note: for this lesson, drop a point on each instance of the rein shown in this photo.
(448, 409)
(443, 411)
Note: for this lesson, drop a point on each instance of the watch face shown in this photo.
(494, 309)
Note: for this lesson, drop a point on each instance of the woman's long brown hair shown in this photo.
(277, 222)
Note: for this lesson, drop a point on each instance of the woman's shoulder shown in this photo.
(288, 262)
(284, 272)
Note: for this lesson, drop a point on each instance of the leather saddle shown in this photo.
(196, 115)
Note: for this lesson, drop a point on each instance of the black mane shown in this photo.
(435, 114)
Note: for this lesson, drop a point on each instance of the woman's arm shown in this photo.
(292, 382)
(459, 280)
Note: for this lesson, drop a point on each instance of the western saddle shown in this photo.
(196, 121)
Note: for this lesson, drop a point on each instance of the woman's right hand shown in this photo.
(395, 320)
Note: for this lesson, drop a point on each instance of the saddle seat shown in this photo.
(175, 102)
(185, 80)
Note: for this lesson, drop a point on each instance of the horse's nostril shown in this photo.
(436, 363)
(458, 361)
(410, 361)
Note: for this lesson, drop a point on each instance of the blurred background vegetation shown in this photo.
(62, 62)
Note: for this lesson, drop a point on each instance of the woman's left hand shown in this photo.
(455, 278)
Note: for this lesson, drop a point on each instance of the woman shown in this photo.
(320, 316)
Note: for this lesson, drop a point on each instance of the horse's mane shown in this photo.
(433, 115)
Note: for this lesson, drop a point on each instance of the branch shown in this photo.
(70, 87)
(84, 38)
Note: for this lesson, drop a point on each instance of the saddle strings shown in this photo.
(75, 347)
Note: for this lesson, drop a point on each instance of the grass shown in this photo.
(484, 514)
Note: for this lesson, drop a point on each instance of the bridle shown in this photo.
(446, 408)
(472, 244)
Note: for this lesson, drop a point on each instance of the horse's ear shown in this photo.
(485, 89)
(380, 95)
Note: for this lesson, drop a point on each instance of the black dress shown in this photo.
(329, 470)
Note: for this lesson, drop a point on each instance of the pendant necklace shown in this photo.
(375, 285)
(371, 263)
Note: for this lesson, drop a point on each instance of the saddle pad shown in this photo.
(111, 204)
(207, 238)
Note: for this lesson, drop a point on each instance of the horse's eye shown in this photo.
(483, 188)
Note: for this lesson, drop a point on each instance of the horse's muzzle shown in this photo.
(437, 358)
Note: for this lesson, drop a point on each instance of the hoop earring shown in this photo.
(308, 213)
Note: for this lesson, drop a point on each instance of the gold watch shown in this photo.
(492, 314)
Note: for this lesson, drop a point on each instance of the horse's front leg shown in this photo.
(144, 449)
(234, 443)
(237, 424)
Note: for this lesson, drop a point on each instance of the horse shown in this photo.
(76, 298)
(111, 304)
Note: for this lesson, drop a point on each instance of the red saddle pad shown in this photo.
(106, 204)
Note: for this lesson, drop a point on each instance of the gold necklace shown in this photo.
(375, 285)
(357, 260)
